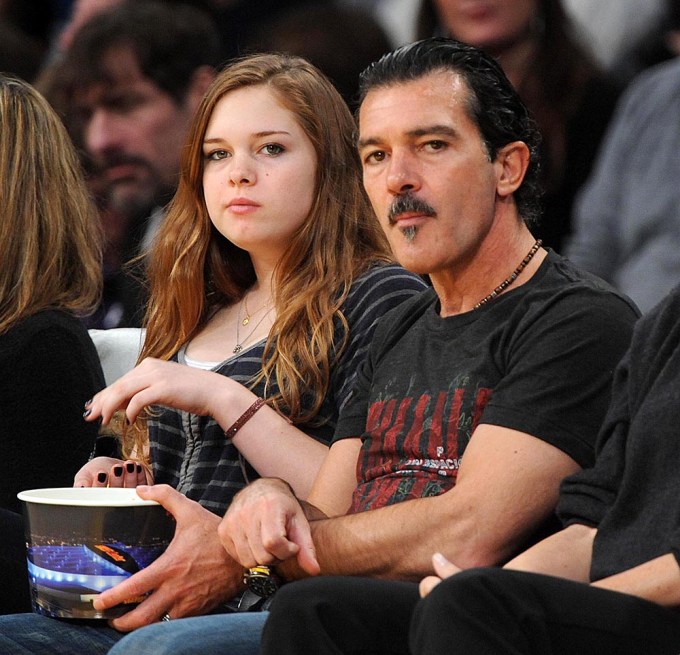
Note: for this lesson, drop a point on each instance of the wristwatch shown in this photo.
(261, 580)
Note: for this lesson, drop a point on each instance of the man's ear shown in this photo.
(201, 79)
(513, 161)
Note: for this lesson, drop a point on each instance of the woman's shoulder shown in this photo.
(54, 338)
(50, 332)
(47, 320)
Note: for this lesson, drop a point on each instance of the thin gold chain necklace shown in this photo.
(248, 316)
(239, 342)
(512, 277)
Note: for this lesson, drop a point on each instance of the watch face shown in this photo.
(261, 581)
(264, 587)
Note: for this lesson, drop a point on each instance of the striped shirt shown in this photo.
(191, 453)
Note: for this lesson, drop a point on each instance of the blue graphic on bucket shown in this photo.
(92, 540)
(62, 574)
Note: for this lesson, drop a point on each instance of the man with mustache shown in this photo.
(476, 398)
(481, 394)
(474, 401)
(132, 78)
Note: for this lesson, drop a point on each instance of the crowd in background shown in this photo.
(141, 86)
(570, 60)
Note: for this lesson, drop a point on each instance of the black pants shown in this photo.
(478, 612)
(14, 594)
(340, 615)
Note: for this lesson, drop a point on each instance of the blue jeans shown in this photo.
(32, 634)
(234, 634)
(231, 634)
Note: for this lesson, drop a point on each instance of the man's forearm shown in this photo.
(475, 523)
(311, 512)
(398, 541)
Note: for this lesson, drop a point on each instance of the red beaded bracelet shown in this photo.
(244, 418)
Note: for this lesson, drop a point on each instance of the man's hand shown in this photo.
(192, 577)
(443, 568)
(265, 524)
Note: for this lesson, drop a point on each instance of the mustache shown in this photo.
(408, 203)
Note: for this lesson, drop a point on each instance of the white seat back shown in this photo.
(118, 350)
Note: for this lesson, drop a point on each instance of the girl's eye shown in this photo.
(216, 155)
(273, 149)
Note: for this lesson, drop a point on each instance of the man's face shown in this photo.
(133, 132)
(427, 172)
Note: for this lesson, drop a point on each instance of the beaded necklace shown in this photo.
(512, 277)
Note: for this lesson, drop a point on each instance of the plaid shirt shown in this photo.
(190, 452)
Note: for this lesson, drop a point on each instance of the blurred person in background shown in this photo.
(611, 30)
(127, 87)
(339, 40)
(627, 216)
(50, 275)
(25, 33)
(659, 43)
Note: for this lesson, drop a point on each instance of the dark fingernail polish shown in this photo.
(101, 477)
(130, 466)
(118, 471)
(86, 413)
(139, 468)
(88, 403)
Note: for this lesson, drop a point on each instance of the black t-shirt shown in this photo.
(539, 359)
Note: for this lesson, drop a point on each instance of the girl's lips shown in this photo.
(242, 201)
(242, 206)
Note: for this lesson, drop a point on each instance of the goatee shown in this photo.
(410, 233)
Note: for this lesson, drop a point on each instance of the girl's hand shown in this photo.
(112, 472)
(157, 382)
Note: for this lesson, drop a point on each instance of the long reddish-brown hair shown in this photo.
(193, 270)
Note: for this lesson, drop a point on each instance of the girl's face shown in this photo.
(492, 24)
(259, 171)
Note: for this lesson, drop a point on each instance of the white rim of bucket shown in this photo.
(85, 497)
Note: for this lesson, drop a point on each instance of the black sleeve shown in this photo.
(586, 495)
(560, 371)
(44, 386)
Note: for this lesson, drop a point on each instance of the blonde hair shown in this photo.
(50, 234)
(193, 270)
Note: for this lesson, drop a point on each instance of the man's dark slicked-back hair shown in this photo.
(492, 104)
